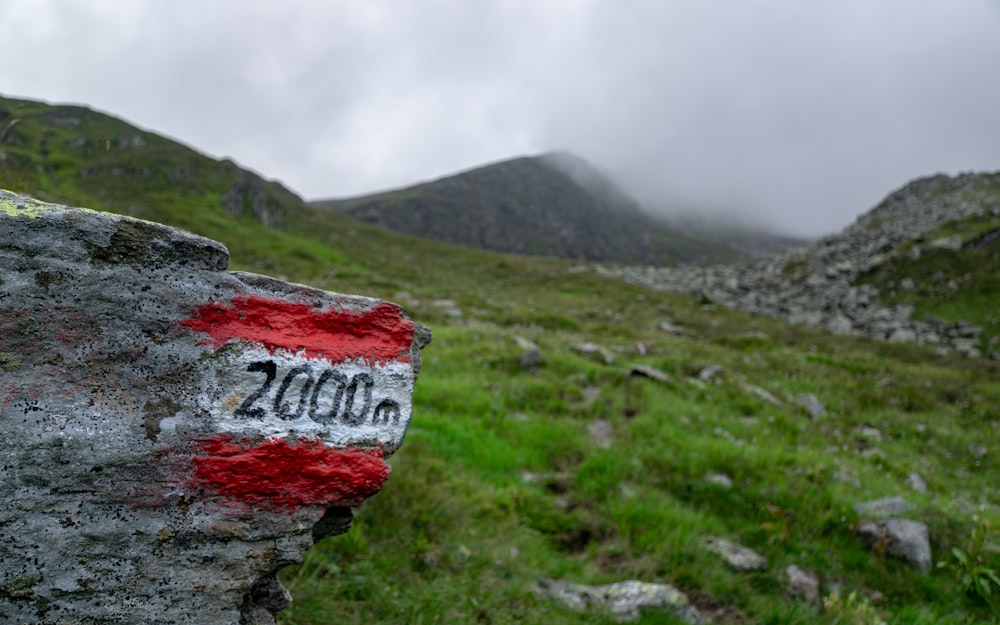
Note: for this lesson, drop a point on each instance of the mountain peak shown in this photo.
(553, 204)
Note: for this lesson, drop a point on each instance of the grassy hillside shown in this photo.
(549, 205)
(502, 480)
(952, 273)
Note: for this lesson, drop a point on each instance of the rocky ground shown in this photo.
(818, 284)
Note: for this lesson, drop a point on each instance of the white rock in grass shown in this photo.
(737, 556)
(709, 372)
(802, 583)
(882, 508)
(645, 371)
(720, 479)
(601, 433)
(812, 404)
(626, 601)
(762, 394)
(595, 352)
(917, 483)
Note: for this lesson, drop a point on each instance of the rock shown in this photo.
(448, 307)
(883, 508)
(873, 435)
(173, 434)
(709, 372)
(840, 324)
(947, 243)
(625, 601)
(762, 394)
(967, 347)
(978, 451)
(531, 359)
(844, 475)
(720, 479)
(872, 453)
(670, 328)
(590, 395)
(802, 584)
(595, 352)
(917, 483)
(644, 371)
(601, 433)
(737, 556)
(902, 335)
(525, 344)
(901, 538)
(811, 403)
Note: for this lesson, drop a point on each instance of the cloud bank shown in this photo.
(796, 115)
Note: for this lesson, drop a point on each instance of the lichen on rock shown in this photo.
(172, 434)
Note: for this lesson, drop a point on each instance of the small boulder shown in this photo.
(601, 433)
(670, 328)
(645, 371)
(709, 372)
(802, 584)
(530, 360)
(812, 404)
(917, 483)
(590, 395)
(720, 479)
(595, 352)
(947, 243)
(902, 538)
(763, 394)
(883, 508)
(902, 335)
(448, 307)
(737, 556)
(525, 344)
(624, 600)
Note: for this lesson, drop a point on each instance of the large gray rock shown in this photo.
(172, 434)
(623, 600)
(902, 538)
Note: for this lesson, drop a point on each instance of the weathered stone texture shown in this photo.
(172, 434)
(819, 284)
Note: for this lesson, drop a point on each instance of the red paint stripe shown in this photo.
(275, 473)
(378, 335)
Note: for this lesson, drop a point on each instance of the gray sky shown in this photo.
(794, 114)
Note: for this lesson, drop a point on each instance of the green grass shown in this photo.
(498, 483)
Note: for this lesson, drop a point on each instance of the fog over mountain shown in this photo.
(789, 114)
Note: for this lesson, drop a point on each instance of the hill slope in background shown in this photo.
(698, 421)
(550, 205)
(923, 265)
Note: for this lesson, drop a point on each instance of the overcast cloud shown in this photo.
(796, 114)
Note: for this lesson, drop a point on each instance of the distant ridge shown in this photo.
(554, 204)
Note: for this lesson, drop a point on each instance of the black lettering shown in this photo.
(246, 409)
(283, 409)
(381, 413)
(349, 416)
(341, 380)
